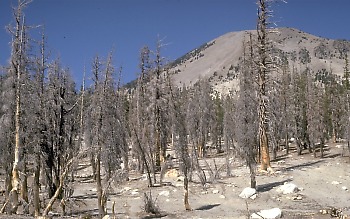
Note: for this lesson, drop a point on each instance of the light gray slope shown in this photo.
(218, 60)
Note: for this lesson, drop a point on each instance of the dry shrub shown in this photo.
(150, 204)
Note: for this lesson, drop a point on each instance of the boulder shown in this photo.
(267, 214)
(247, 192)
(173, 173)
(287, 188)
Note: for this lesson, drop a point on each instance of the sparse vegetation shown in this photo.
(91, 152)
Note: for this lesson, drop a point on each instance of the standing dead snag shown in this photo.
(17, 68)
(262, 78)
(181, 146)
(246, 127)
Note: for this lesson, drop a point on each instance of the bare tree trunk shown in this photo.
(252, 174)
(143, 158)
(263, 70)
(8, 178)
(59, 188)
(322, 147)
(265, 157)
(24, 186)
(186, 202)
(286, 142)
(100, 198)
(36, 185)
(15, 172)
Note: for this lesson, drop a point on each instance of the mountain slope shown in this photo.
(218, 60)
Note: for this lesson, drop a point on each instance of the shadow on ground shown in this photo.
(207, 207)
(268, 186)
(300, 166)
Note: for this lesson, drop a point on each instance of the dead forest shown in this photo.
(49, 124)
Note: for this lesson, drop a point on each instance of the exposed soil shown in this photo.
(323, 184)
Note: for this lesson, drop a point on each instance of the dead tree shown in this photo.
(263, 71)
(181, 145)
(17, 70)
(246, 127)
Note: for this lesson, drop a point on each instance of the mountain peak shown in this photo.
(218, 60)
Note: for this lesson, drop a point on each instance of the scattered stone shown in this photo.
(335, 183)
(215, 191)
(253, 197)
(333, 212)
(164, 193)
(323, 211)
(297, 198)
(247, 192)
(268, 214)
(287, 188)
(135, 192)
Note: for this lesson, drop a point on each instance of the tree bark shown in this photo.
(36, 185)
(186, 202)
(263, 69)
(100, 198)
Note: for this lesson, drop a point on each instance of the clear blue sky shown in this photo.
(77, 30)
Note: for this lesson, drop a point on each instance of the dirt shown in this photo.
(323, 185)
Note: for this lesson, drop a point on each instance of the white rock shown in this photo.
(106, 217)
(267, 214)
(253, 197)
(222, 196)
(344, 188)
(287, 188)
(164, 193)
(134, 192)
(247, 192)
(215, 191)
(125, 189)
(93, 190)
(180, 178)
(335, 183)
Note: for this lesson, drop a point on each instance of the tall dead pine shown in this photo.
(17, 68)
(262, 78)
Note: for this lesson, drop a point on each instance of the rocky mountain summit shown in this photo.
(219, 60)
